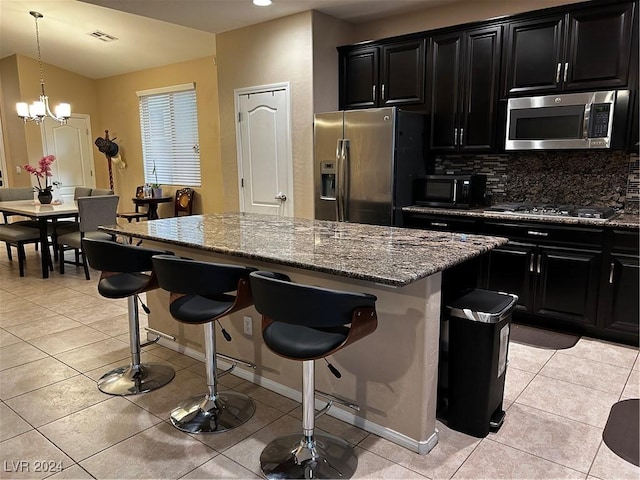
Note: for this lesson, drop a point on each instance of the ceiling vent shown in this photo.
(105, 37)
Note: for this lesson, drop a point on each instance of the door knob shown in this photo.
(281, 196)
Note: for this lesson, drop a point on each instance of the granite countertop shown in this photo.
(385, 255)
(617, 221)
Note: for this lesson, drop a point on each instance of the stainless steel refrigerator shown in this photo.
(365, 163)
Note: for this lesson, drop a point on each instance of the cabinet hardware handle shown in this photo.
(558, 72)
(531, 259)
(439, 224)
(566, 69)
(613, 266)
(538, 265)
(374, 93)
(461, 135)
(455, 136)
(537, 234)
(382, 92)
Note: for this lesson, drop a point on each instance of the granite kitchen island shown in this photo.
(392, 373)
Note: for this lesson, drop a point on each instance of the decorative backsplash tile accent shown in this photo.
(578, 178)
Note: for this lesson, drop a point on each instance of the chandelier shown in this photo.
(38, 110)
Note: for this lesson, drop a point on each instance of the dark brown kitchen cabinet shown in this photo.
(382, 75)
(587, 48)
(619, 300)
(554, 270)
(464, 77)
(551, 282)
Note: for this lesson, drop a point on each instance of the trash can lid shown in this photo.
(483, 305)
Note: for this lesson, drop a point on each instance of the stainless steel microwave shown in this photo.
(566, 121)
(453, 191)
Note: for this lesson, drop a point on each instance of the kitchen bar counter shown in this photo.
(386, 255)
(626, 221)
(392, 373)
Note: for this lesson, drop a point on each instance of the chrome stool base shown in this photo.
(131, 380)
(202, 414)
(294, 456)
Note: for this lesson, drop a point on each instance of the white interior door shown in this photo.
(71, 144)
(265, 168)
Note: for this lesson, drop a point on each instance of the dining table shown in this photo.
(152, 204)
(42, 213)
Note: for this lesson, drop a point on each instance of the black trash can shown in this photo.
(474, 344)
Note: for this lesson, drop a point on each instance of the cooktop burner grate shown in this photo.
(553, 210)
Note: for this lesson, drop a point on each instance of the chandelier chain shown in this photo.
(39, 55)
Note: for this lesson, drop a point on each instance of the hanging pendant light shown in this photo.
(38, 110)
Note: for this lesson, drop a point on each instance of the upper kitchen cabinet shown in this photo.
(587, 48)
(382, 75)
(464, 78)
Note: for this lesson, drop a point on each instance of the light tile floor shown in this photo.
(58, 336)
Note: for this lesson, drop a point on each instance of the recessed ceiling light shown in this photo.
(262, 3)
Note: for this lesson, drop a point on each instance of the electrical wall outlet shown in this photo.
(248, 326)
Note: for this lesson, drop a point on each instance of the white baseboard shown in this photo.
(421, 448)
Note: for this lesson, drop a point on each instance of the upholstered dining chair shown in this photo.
(184, 201)
(137, 214)
(93, 212)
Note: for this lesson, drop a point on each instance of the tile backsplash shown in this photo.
(579, 178)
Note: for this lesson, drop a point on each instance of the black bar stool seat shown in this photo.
(123, 276)
(303, 322)
(201, 293)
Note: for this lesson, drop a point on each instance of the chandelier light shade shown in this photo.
(38, 110)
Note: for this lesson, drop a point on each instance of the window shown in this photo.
(169, 127)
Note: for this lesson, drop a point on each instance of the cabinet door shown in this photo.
(598, 47)
(480, 89)
(533, 56)
(358, 77)
(402, 73)
(622, 311)
(445, 88)
(567, 284)
(510, 271)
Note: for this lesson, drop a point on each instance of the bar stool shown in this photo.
(305, 323)
(200, 294)
(123, 268)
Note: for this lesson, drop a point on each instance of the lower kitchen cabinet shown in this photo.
(619, 292)
(579, 279)
(555, 283)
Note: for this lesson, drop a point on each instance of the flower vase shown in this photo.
(45, 196)
(157, 192)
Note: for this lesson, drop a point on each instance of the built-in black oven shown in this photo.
(453, 191)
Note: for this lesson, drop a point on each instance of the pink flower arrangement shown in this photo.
(43, 170)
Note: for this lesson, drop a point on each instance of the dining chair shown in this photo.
(184, 201)
(137, 215)
(98, 192)
(19, 193)
(16, 235)
(93, 212)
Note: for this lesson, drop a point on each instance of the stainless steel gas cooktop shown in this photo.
(575, 211)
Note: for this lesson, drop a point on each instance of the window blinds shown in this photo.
(169, 127)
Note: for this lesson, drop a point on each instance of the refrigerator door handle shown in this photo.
(338, 179)
(346, 158)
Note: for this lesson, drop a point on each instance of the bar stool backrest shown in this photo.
(281, 300)
(110, 256)
(192, 277)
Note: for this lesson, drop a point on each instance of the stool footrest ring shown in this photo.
(333, 398)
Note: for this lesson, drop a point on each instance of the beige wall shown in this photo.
(21, 82)
(271, 52)
(119, 113)
(447, 15)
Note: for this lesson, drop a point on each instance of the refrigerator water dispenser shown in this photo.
(328, 176)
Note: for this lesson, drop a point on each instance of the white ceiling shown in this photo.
(152, 33)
